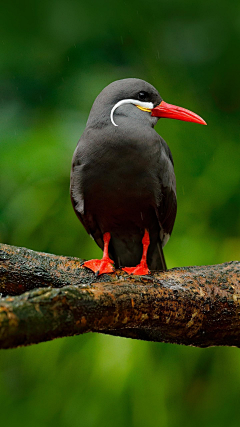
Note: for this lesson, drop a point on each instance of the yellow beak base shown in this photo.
(144, 109)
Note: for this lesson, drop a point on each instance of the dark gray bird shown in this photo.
(123, 186)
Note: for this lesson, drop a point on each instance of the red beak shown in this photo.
(170, 111)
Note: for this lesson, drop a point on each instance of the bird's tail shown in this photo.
(127, 253)
(156, 260)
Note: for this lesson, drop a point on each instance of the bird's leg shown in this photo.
(104, 265)
(142, 268)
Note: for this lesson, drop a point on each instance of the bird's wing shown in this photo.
(167, 207)
(167, 214)
(77, 198)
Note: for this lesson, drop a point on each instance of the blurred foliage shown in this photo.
(56, 57)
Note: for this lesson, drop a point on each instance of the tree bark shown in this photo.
(47, 296)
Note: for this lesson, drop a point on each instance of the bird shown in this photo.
(123, 186)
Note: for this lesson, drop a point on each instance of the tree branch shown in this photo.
(47, 296)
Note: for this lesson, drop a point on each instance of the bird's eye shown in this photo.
(142, 95)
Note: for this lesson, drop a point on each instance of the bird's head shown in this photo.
(135, 99)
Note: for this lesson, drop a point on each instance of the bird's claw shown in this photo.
(139, 270)
(100, 266)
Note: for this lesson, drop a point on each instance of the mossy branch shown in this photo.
(47, 296)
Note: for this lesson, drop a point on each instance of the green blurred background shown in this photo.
(56, 57)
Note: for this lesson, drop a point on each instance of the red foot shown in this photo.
(139, 270)
(104, 265)
(100, 266)
(142, 268)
